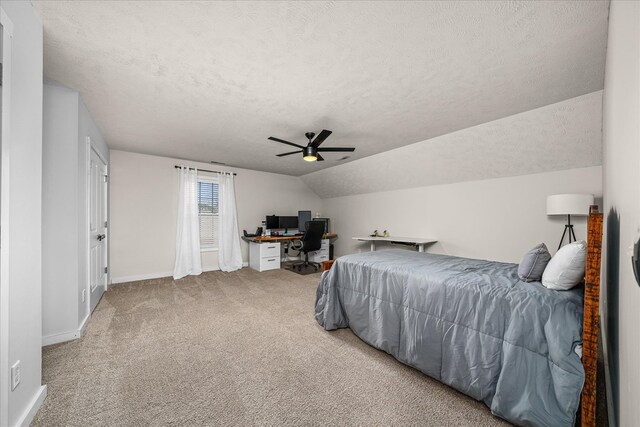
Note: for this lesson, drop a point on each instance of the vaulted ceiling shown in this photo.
(210, 81)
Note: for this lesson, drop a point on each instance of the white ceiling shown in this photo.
(564, 135)
(211, 81)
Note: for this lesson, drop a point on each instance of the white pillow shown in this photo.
(566, 268)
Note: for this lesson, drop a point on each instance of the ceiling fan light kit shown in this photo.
(310, 152)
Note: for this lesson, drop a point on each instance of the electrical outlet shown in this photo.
(84, 294)
(15, 375)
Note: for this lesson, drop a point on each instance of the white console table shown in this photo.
(416, 241)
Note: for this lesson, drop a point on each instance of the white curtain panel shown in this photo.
(188, 259)
(229, 253)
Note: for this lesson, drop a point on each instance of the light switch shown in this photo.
(15, 375)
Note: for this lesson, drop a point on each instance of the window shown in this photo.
(208, 213)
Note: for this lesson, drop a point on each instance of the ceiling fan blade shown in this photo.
(336, 149)
(320, 138)
(284, 142)
(319, 157)
(288, 154)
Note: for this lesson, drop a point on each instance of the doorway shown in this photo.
(98, 181)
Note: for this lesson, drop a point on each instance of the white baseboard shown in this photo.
(61, 337)
(83, 325)
(149, 276)
(67, 336)
(216, 268)
(35, 405)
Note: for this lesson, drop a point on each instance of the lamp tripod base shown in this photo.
(568, 230)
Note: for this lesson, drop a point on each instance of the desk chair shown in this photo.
(311, 242)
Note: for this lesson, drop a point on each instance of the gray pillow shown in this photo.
(533, 264)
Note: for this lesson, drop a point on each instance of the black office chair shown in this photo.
(311, 242)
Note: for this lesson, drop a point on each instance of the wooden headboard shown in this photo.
(591, 325)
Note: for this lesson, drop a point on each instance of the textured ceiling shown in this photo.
(211, 81)
(560, 136)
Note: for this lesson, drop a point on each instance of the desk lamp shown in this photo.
(569, 204)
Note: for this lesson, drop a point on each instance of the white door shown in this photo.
(97, 228)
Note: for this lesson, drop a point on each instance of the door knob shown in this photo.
(100, 237)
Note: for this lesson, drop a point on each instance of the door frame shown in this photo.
(89, 149)
(7, 36)
(5, 144)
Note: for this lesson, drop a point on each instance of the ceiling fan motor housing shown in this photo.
(310, 151)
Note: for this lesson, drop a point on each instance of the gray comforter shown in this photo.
(471, 324)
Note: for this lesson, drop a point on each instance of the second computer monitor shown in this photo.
(326, 223)
(288, 222)
(272, 222)
(303, 218)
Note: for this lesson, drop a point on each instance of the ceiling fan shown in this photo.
(311, 152)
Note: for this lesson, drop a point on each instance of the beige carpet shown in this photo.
(238, 348)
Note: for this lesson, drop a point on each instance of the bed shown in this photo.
(473, 325)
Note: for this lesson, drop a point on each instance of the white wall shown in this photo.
(621, 294)
(25, 184)
(60, 217)
(496, 219)
(144, 198)
(67, 124)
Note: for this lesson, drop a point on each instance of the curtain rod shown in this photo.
(203, 170)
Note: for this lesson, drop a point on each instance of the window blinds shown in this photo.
(208, 214)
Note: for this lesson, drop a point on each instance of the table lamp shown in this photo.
(569, 204)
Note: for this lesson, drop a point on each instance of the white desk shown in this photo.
(417, 241)
(265, 251)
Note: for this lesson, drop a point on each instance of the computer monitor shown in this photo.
(272, 222)
(287, 222)
(303, 218)
(326, 223)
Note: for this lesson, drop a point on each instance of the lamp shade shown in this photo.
(569, 204)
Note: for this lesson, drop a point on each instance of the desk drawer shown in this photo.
(321, 251)
(270, 263)
(270, 250)
(319, 257)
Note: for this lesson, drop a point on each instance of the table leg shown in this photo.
(373, 245)
(420, 248)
